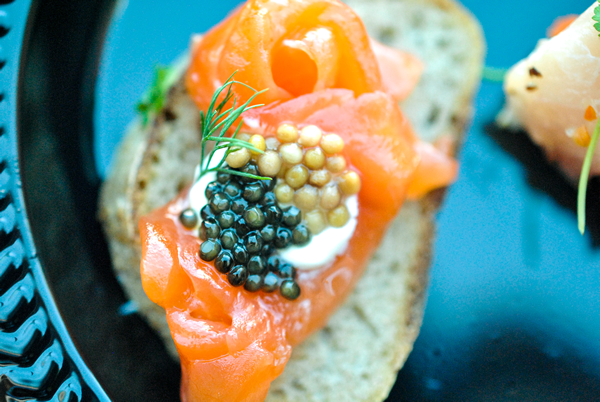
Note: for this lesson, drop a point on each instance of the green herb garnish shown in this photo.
(583, 178)
(215, 119)
(587, 161)
(154, 98)
(596, 18)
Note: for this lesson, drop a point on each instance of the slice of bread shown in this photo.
(357, 355)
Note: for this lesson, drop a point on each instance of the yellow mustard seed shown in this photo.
(269, 163)
(336, 164)
(284, 193)
(319, 177)
(306, 198)
(238, 158)
(330, 197)
(332, 144)
(272, 143)
(287, 133)
(257, 141)
(281, 174)
(291, 153)
(349, 182)
(316, 221)
(314, 158)
(310, 136)
(296, 176)
(338, 217)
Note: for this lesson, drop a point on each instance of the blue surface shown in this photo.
(507, 256)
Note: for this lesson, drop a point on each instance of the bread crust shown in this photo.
(366, 341)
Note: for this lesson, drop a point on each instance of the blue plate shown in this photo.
(512, 310)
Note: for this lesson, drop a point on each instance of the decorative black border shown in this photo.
(38, 360)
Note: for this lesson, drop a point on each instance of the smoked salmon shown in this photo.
(233, 343)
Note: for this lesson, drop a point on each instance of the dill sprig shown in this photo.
(587, 161)
(216, 119)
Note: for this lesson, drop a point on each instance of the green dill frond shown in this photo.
(215, 119)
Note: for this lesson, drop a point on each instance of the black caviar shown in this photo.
(242, 228)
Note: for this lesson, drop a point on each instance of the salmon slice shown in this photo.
(233, 343)
(321, 69)
(294, 48)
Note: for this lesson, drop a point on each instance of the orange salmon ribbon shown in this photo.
(233, 343)
(321, 68)
(294, 48)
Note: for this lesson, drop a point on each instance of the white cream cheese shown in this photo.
(322, 249)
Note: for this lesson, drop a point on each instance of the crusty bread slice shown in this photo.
(357, 355)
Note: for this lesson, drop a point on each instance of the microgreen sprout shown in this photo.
(587, 162)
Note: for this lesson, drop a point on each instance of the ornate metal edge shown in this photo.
(38, 360)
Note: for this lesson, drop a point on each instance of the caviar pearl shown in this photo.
(188, 218)
(310, 136)
(253, 283)
(256, 265)
(211, 228)
(287, 133)
(238, 275)
(205, 212)
(284, 193)
(290, 289)
(269, 163)
(319, 178)
(270, 282)
(226, 219)
(314, 158)
(286, 271)
(339, 216)
(292, 216)
(224, 262)
(223, 177)
(240, 254)
(330, 197)
(296, 176)
(332, 144)
(336, 164)
(253, 192)
(229, 238)
(219, 203)
(306, 198)
(258, 142)
(283, 238)
(255, 218)
(253, 242)
(316, 221)
(209, 250)
(268, 233)
(291, 153)
(238, 158)
(349, 183)
(300, 235)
